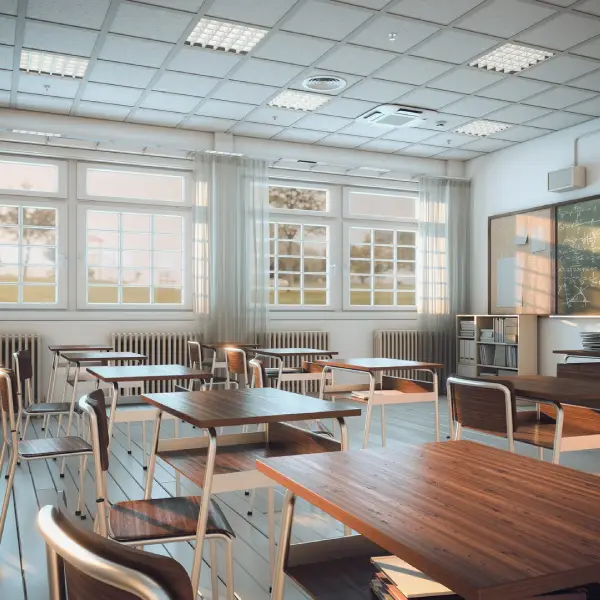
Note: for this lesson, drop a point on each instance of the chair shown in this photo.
(197, 361)
(237, 364)
(82, 564)
(151, 521)
(491, 408)
(39, 449)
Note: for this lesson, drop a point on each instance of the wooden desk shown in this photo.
(393, 390)
(488, 524)
(231, 464)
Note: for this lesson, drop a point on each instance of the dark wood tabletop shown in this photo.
(584, 393)
(219, 345)
(580, 352)
(486, 523)
(83, 357)
(80, 348)
(222, 408)
(372, 365)
(285, 352)
(146, 373)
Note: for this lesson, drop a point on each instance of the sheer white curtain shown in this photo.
(444, 251)
(231, 247)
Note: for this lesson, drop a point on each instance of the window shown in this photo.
(298, 198)
(134, 258)
(379, 204)
(382, 267)
(25, 177)
(29, 242)
(299, 269)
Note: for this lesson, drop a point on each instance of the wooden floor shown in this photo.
(22, 551)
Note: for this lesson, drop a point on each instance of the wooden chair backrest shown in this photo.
(195, 353)
(97, 403)
(258, 375)
(23, 365)
(476, 406)
(236, 361)
(9, 392)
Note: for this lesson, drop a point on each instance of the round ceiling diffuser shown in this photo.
(324, 83)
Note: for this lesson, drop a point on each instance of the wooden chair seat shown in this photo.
(163, 518)
(46, 447)
(50, 408)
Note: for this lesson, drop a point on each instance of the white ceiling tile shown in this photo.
(356, 60)
(487, 145)
(4, 95)
(162, 118)
(466, 80)
(447, 140)
(275, 116)
(6, 57)
(378, 91)
(473, 106)
(438, 11)
(43, 103)
(224, 110)
(376, 34)
(514, 89)
(589, 6)
(559, 120)
(344, 107)
(590, 49)
(48, 86)
(208, 124)
(449, 121)
(292, 48)
(458, 154)
(562, 31)
(182, 83)
(123, 49)
(589, 107)
(504, 18)
(421, 150)
(455, 46)
(520, 133)
(428, 98)
(256, 12)
(9, 7)
(339, 140)
(408, 134)
(97, 110)
(303, 136)
(249, 93)
(561, 69)
(81, 13)
(120, 74)
(256, 70)
(170, 102)
(204, 62)
(111, 94)
(189, 5)
(256, 130)
(416, 71)
(588, 82)
(517, 113)
(5, 80)
(323, 123)
(386, 146)
(7, 30)
(59, 38)
(374, 4)
(150, 22)
(366, 130)
(559, 97)
(329, 20)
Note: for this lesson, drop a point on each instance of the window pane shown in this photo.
(166, 224)
(360, 266)
(103, 239)
(136, 295)
(168, 278)
(102, 220)
(136, 276)
(167, 260)
(407, 299)
(9, 215)
(360, 251)
(360, 236)
(383, 252)
(28, 177)
(315, 281)
(406, 284)
(9, 293)
(170, 243)
(315, 265)
(168, 296)
(406, 238)
(33, 255)
(39, 275)
(373, 204)
(383, 237)
(136, 258)
(383, 283)
(290, 264)
(381, 267)
(9, 274)
(103, 258)
(406, 268)
(315, 249)
(103, 275)
(39, 237)
(360, 282)
(289, 248)
(103, 295)
(295, 198)
(135, 222)
(9, 255)
(315, 297)
(135, 241)
(289, 232)
(384, 298)
(360, 298)
(406, 253)
(9, 235)
(315, 233)
(289, 296)
(288, 280)
(39, 217)
(39, 294)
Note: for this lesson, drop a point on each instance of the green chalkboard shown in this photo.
(578, 258)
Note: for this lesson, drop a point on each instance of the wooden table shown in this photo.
(231, 465)
(488, 524)
(393, 390)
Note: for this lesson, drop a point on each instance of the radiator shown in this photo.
(160, 348)
(10, 343)
(427, 346)
(295, 339)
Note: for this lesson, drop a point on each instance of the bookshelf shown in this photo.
(496, 345)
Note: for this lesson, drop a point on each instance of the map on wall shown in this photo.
(578, 258)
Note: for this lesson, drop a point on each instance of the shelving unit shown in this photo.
(521, 355)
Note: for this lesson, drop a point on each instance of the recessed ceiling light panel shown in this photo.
(482, 128)
(299, 100)
(45, 134)
(511, 58)
(59, 65)
(225, 36)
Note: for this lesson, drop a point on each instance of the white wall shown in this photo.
(515, 179)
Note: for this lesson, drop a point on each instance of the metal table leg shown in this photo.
(287, 517)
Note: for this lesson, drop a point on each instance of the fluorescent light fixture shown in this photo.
(299, 100)
(36, 133)
(482, 128)
(511, 58)
(46, 63)
(228, 37)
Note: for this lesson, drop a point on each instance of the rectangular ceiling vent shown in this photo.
(394, 115)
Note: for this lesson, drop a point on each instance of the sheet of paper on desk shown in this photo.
(509, 291)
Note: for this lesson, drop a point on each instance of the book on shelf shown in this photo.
(498, 356)
(466, 352)
(467, 329)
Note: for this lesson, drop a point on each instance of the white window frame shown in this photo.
(62, 232)
(347, 190)
(82, 194)
(61, 165)
(162, 209)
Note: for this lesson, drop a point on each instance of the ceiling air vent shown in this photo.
(394, 115)
(324, 83)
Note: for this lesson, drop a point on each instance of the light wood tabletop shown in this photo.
(373, 365)
(289, 352)
(83, 357)
(488, 524)
(146, 373)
